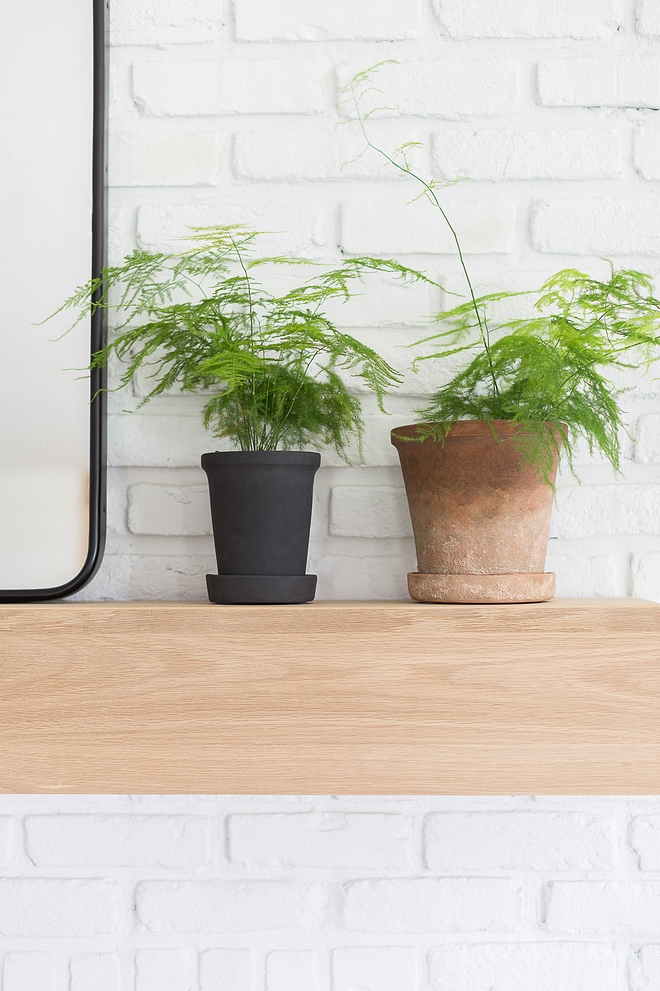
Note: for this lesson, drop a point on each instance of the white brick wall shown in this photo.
(228, 113)
(230, 970)
(624, 81)
(510, 19)
(521, 966)
(564, 841)
(603, 907)
(49, 906)
(98, 971)
(587, 226)
(369, 841)
(316, 20)
(580, 153)
(330, 894)
(391, 226)
(291, 970)
(154, 22)
(216, 88)
(447, 87)
(648, 18)
(163, 841)
(232, 112)
(227, 906)
(386, 968)
(434, 905)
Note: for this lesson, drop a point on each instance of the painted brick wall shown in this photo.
(235, 893)
(224, 114)
(229, 113)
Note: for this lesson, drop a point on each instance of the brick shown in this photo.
(611, 81)
(295, 226)
(9, 838)
(287, 155)
(190, 159)
(369, 511)
(206, 89)
(166, 441)
(382, 968)
(35, 972)
(381, 301)
(364, 576)
(647, 151)
(645, 841)
(645, 576)
(386, 227)
(117, 840)
(226, 970)
(164, 22)
(647, 439)
(510, 19)
(162, 970)
(169, 510)
(94, 972)
(579, 576)
(317, 20)
(292, 970)
(522, 966)
(647, 19)
(315, 155)
(323, 839)
(456, 841)
(603, 510)
(603, 906)
(55, 907)
(644, 968)
(151, 577)
(451, 88)
(420, 905)
(225, 906)
(597, 226)
(584, 153)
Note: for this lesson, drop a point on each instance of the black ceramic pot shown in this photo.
(261, 509)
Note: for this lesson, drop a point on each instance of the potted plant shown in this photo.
(274, 368)
(479, 468)
(480, 464)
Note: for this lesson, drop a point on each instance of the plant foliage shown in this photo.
(549, 369)
(274, 365)
(545, 371)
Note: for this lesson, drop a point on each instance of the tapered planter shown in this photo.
(261, 509)
(480, 521)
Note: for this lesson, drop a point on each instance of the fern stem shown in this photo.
(433, 199)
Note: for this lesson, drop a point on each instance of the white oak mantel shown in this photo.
(561, 697)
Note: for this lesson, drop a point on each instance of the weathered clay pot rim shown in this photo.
(465, 428)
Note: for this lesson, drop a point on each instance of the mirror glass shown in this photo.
(47, 102)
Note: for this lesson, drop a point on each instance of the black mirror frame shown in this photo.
(97, 435)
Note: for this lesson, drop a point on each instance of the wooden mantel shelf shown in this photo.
(331, 698)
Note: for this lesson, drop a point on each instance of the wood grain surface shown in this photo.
(561, 697)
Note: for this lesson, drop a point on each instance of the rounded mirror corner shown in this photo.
(72, 186)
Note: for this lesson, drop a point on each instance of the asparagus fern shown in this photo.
(274, 366)
(545, 371)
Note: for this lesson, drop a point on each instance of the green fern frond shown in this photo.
(275, 365)
(553, 368)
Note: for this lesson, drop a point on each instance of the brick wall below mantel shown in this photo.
(212, 893)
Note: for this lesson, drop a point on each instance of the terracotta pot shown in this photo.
(480, 521)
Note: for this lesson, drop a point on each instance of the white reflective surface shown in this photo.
(46, 112)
